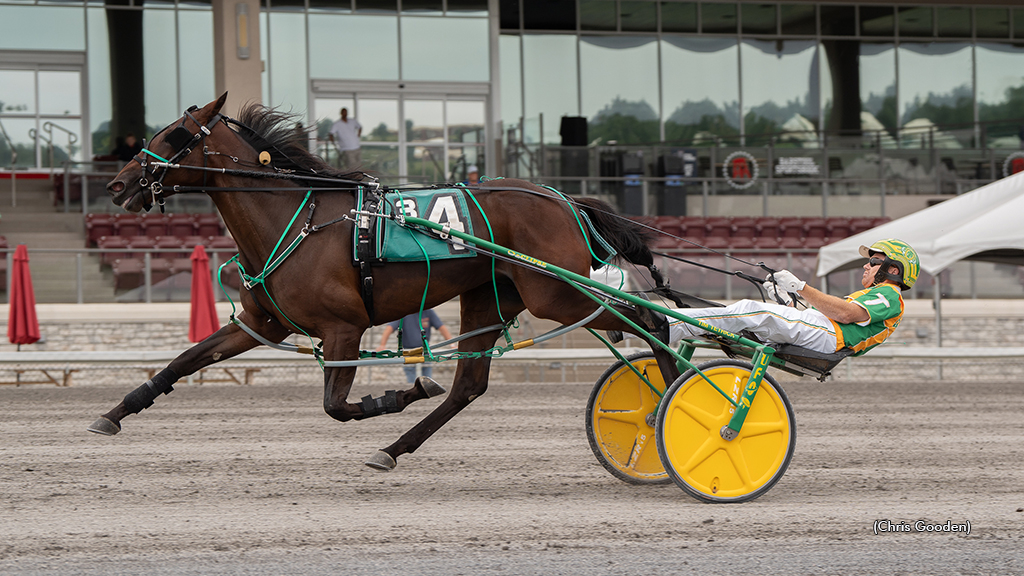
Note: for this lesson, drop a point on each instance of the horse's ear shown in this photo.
(219, 103)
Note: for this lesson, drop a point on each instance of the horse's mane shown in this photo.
(275, 131)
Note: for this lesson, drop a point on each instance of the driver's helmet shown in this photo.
(897, 253)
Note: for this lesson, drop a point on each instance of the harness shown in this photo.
(182, 139)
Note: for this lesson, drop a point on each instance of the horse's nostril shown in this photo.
(116, 186)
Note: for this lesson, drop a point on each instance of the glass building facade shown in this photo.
(433, 81)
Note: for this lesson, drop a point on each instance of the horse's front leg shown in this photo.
(225, 343)
(338, 383)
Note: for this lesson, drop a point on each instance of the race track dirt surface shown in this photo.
(227, 479)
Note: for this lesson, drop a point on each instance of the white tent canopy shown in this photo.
(984, 225)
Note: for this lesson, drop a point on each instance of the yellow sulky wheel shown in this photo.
(620, 417)
(693, 451)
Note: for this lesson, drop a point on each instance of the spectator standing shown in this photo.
(345, 135)
(411, 338)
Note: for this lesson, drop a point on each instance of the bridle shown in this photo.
(184, 141)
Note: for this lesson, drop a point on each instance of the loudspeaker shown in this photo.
(573, 131)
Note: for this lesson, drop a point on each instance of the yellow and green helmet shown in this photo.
(898, 253)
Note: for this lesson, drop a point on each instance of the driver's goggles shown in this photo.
(876, 261)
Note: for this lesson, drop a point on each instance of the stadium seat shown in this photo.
(172, 245)
(181, 225)
(140, 243)
(111, 242)
(791, 228)
(719, 226)
(189, 243)
(768, 227)
(693, 227)
(97, 226)
(815, 242)
(222, 242)
(815, 228)
(744, 226)
(838, 227)
(154, 225)
(128, 273)
(181, 264)
(209, 225)
(127, 224)
(858, 225)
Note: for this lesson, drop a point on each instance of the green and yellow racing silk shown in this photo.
(884, 305)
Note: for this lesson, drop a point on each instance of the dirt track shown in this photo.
(258, 480)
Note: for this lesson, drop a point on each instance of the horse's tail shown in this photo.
(628, 238)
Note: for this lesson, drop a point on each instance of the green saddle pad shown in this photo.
(445, 206)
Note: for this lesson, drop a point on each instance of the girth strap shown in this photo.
(365, 252)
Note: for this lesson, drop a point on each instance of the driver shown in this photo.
(860, 321)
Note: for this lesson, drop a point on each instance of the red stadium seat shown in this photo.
(693, 227)
(128, 273)
(838, 227)
(181, 225)
(768, 227)
(744, 226)
(97, 226)
(190, 242)
(172, 244)
(154, 225)
(140, 243)
(208, 225)
(719, 226)
(858, 225)
(108, 242)
(815, 242)
(126, 224)
(815, 228)
(791, 228)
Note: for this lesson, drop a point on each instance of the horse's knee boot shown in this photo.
(386, 404)
(142, 397)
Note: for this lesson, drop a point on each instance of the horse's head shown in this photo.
(144, 180)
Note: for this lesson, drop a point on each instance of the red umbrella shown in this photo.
(203, 319)
(22, 324)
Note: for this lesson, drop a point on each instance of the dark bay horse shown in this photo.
(316, 290)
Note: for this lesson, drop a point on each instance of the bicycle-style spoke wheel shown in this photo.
(693, 451)
(620, 412)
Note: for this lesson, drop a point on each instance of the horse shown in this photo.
(256, 170)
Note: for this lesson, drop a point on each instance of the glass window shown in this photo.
(700, 110)
(718, 18)
(549, 14)
(287, 65)
(877, 21)
(953, 21)
(550, 81)
(798, 18)
(935, 84)
(758, 18)
(326, 61)
(1000, 90)
(1018, 23)
(17, 92)
(331, 5)
(878, 87)
(18, 129)
(915, 21)
(159, 73)
(624, 111)
(379, 119)
(508, 13)
(468, 7)
(327, 110)
(195, 44)
(66, 135)
(639, 16)
(992, 22)
(278, 5)
(678, 17)
(42, 28)
(424, 120)
(375, 6)
(423, 6)
(465, 119)
(838, 20)
(511, 80)
(445, 49)
(60, 93)
(768, 103)
(100, 100)
(597, 15)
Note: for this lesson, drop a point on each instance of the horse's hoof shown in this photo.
(381, 461)
(104, 426)
(429, 386)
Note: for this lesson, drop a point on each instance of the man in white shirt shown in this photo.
(345, 134)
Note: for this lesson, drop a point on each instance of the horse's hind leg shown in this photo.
(471, 375)
(225, 343)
